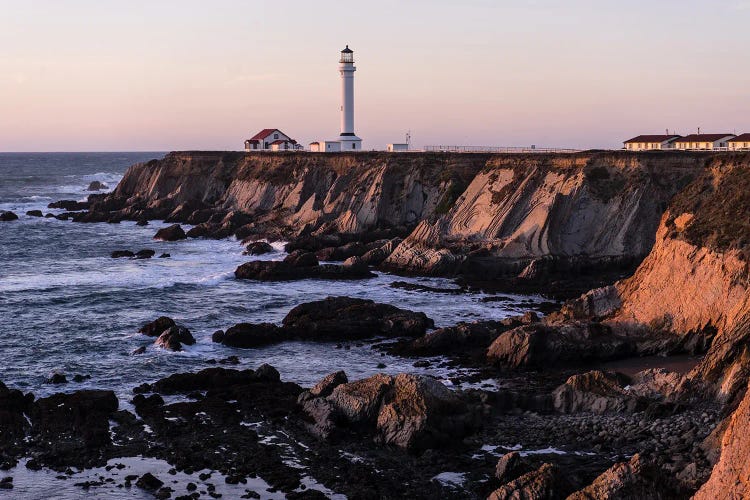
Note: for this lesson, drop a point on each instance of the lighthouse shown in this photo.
(349, 140)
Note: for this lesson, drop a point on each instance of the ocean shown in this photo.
(68, 307)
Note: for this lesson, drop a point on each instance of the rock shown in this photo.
(422, 413)
(171, 233)
(97, 186)
(165, 256)
(58, 378)
(328, 383)
(268, 373)
(6, 483)
(69, 205)
(149, 482)
(342, 318)
(378, 255)
(118, 254)
(300, 258)
(156, 327)
(543, 346)
(359, 401)
(342, 252)
(544, 483)
(509, 467)
(284, 271)
(597, 392)
(144, 254)
(258, 248)
(248, 335)
(140, 350)
(34, 213)
(174, 337)
(142, 222)
(454, 339)
(8, 216)
(634, 479)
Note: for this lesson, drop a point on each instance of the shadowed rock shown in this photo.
(258, 248)
(248, 335)
(156, 327)
(8, 216)
(174, 337)
(171, 233)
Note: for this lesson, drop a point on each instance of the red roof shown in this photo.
(652, 138)
(704, 137)
(741, 138)
(264, 133)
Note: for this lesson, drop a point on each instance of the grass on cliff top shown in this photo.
(720, 203)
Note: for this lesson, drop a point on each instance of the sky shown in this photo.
(162, 75)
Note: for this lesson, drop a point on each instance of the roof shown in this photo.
(347, 50)
(704, 137)
(653, 138)
(264, 133)
(741, 138)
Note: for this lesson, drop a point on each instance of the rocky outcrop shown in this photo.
(408, 411)
(174, 337)
(545, 483)
(635, 479)
(171, 233)
(536, 216)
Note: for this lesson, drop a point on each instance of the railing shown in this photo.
(496, 149)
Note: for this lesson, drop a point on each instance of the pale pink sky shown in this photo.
(169, 75)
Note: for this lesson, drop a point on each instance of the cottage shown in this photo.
(651, 142)
(704, 142)
(270, 139)
(740, 143)
(397, 147)
(325, 147)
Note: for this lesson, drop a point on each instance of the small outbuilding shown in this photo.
(651, 142)
(394, 148)
(325, 146)
(270, 139)
(704, 142)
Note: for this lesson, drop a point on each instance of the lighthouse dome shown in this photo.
(347, 55)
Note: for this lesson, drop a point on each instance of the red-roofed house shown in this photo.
(270, 139)
(705, 142)
(651, 142)
(740, 143)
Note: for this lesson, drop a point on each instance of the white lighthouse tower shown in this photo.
(349, 140)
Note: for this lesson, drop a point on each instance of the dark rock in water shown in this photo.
(247, 335)
(144, 254)
(78, 378)
(149, 482)
(230, 360)
(284, 271)
(97, 186)
(6, 483)
(267, 372)
(300, 258)
(34, 213)
(342, 252)
(142, 222)
(344, 318)
(156, 327)
(542, 484)
(8, 216)
(165, 256)
(171, 233)
(69, 205)
(416, 287)
(140, 350)
(174, 337)
(258, 248)
(49, 216)
(73, 428)
(217, 336)
(210, 378)
(58, 378)
(117, 254)
(454, 339)
(326, 386)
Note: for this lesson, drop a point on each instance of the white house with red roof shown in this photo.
(651, 142)
(271, 139)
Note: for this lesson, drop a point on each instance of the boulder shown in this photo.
(248, 335)
(359, 401)
(149, 482)
(96, 186)
(284, 271)
(156, 327)
(69, 205)
(142, 222)
(596, 392)
(542, 484)
(509, 467)
(300, 258)
(452, 339)
(342, 252)
(343, 318)
(144, 254)
(174, 337)
(422, 413)
(377, 256)
(258, 248)
(8, 216)
(58, 378)
(171, 233)
(634, 479)
(118, 254)
(34, 213)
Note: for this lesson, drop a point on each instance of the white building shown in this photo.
(651, 142)
(704, 142)
(325, 146)
(395, 148)
(740, 143)
(271, 139)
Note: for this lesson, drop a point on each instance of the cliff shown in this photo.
(481, 215)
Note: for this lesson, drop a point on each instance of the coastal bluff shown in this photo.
(482, 215)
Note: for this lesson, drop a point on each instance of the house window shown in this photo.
(354, 146)
(275, 136)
